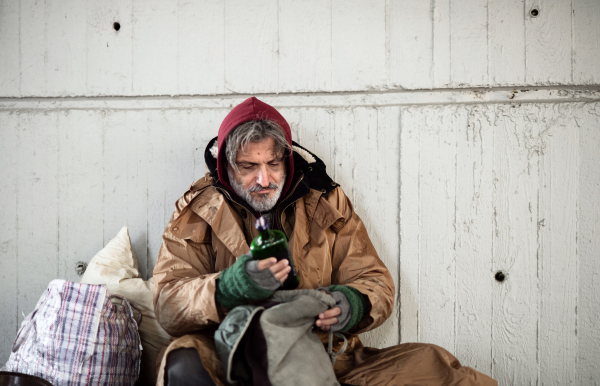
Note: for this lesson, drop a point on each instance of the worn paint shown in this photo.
(173, 47)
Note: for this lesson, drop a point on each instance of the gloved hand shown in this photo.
(249, 279)
(265, 278)
(352, 307)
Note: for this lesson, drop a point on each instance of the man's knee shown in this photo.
(184, 368)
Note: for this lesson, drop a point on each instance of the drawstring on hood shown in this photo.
(250, 110)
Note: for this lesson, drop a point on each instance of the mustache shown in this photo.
(258, 188)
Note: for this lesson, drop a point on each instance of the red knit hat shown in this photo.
(251, 109)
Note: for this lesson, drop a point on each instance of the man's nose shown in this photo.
(262, 179)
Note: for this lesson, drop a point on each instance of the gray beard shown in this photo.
(264, 203)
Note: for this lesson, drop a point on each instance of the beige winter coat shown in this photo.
(329, 245)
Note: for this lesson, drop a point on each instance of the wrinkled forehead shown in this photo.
(265, 149)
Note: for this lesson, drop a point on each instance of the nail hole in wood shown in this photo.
(500, 276)
(116, 25)
(80, 268)
(534, 12)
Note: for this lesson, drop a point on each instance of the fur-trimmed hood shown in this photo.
(307, 165)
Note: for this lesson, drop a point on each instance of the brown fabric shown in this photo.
(406, 364)
(329, 244)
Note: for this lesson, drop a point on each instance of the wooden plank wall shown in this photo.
(69, 47)
(480, 188)
(465, 132)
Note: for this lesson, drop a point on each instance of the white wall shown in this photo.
(467, 134)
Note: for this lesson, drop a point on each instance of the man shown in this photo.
(203, 269)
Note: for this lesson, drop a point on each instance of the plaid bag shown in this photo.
(76, 336)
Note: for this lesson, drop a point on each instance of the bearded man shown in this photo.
(204, 269)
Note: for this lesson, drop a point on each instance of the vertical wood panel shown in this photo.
(170, 167)
(305, 45)
(410, 225)
(205, 125)
(548, 42)
(506, 29)
(344, 161)
(32, 35)
(154, 47)
(410, 32)
(66, 47)
(176, 140)
(109, 52)
(588, 246)
(200, 47)
(9, 41)
(10, 126)
(312, 128)
(251, 46)
(358, 45)
(586, 41)
(469, 53)
(474, 214)
(441, 43)
(126, 160)
(437, 292)
(382, 217)
(37, 207)
(365, 142)
(376, 197)
(515, 245)
(79, 189)
(559, 182)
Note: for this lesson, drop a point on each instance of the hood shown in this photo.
(249, 110)
(309, 173)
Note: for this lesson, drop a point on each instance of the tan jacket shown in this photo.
(207, 233)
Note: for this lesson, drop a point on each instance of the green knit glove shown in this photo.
(359, 306)
(235, 287)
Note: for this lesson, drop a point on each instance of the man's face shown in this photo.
(260, 177)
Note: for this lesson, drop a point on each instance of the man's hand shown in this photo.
(328, 318)
(280, 269)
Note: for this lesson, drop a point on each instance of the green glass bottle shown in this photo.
(272, 243)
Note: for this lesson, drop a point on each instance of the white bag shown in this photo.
(76, 336)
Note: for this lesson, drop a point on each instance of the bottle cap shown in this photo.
(261, 224)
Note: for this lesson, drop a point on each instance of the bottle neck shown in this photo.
(265, 235)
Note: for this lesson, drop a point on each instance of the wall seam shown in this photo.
(399, 221)
(572, 44)
(480, 90)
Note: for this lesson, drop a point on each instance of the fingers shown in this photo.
(328, 318)
(282, 276)
(330, 313)
(280, 269)
(282, 265)
(266, 263)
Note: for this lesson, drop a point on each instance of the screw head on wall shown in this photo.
(500, 276)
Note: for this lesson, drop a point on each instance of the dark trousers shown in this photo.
(184, 368)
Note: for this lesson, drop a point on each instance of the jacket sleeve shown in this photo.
(184, 274)
(356, 264)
